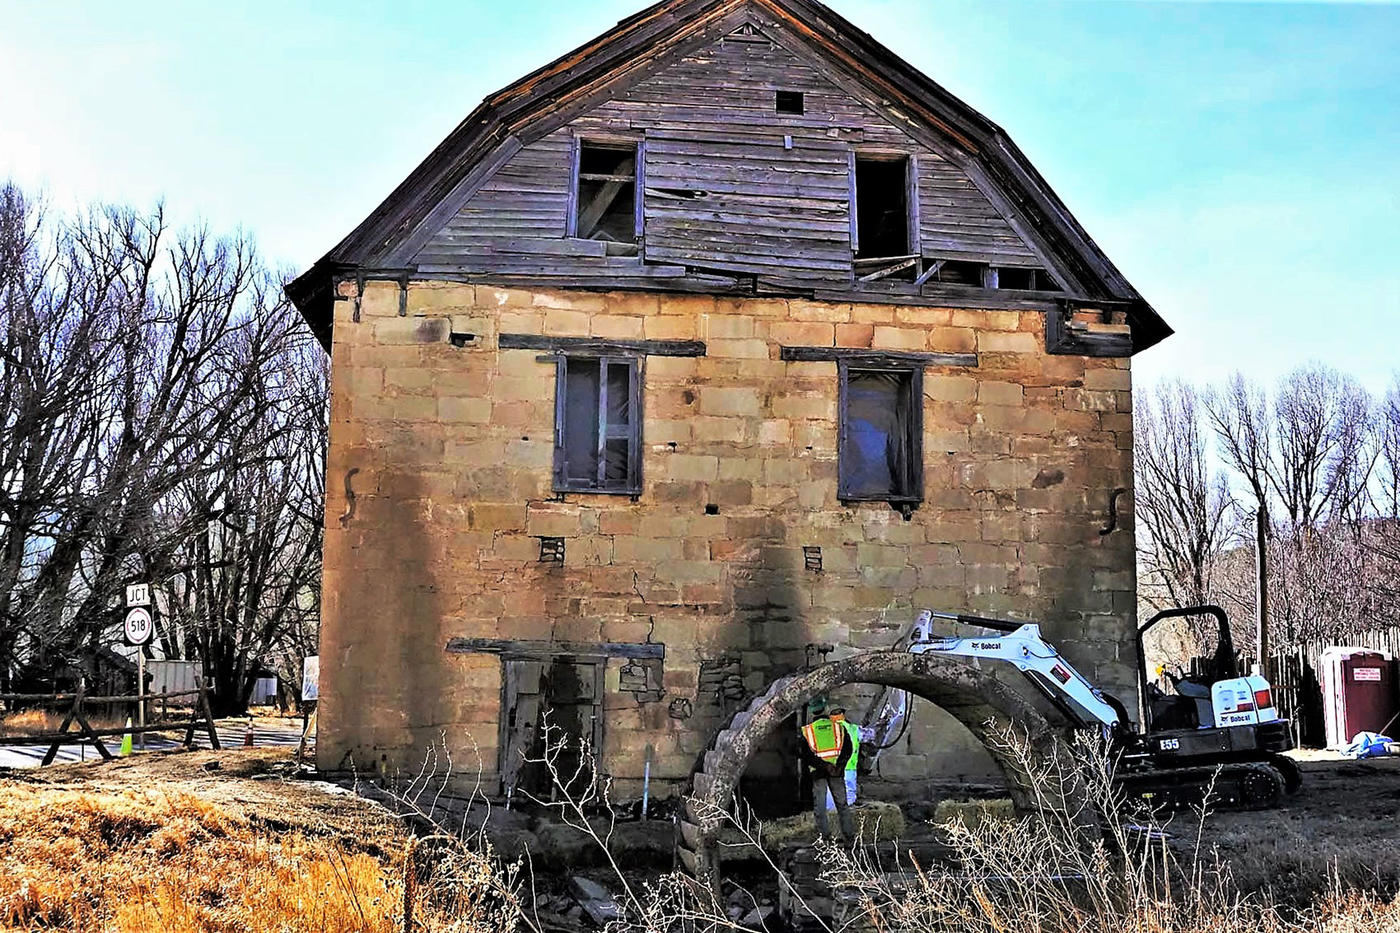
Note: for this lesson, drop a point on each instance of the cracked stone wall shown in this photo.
(439, 492)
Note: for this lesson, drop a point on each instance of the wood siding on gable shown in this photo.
(732, 187)
(956, 221)
(756, 207)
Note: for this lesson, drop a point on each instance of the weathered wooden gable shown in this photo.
(725, 125)
(730, 185)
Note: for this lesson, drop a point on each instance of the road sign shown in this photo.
(138, 625)
(138, 594)
(311, 678)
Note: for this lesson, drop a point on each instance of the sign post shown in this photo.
(139, 627)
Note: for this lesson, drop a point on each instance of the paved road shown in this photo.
(231, 735)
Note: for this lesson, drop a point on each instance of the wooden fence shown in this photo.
(78, 704)
(1296, 675)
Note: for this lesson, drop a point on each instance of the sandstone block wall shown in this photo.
(439, 489)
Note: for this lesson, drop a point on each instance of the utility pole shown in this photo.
(1261, 591)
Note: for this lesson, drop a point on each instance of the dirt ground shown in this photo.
(1341, 825)
(1342, 821)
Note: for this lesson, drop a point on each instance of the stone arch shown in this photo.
(974, 697)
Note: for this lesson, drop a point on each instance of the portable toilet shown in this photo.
(1358, 693)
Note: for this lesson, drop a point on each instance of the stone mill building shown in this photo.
(703, 354)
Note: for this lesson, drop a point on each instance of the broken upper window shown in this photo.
(605, 195)
(881, 196)
(1022, 279)
(597, 437)
(881, 440)
(957, 272)
(982, 275)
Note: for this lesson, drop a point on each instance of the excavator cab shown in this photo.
(1215, 694)
(1185, 699)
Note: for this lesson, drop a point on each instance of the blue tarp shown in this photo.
(1368, 745)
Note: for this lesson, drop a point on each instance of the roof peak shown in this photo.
(545, 98)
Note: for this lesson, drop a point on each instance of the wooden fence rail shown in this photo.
(201, 718)
(1295, 672)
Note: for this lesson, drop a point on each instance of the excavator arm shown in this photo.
(1022, 646)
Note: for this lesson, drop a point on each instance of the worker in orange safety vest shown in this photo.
(826, 748)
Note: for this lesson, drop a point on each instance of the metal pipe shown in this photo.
(646, 781)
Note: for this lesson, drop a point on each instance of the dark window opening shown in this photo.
(606, 193)
(791, 102)
(881, 452)
(597, 446)
(882, 207)
(552, 551)
(959, 272)
(1021, 279)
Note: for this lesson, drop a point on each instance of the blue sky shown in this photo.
(1240, 162)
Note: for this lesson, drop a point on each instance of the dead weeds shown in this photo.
(215, 842)
(185, 842)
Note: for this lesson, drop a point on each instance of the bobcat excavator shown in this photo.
(1219, 734)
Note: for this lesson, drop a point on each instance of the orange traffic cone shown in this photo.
(248, 736)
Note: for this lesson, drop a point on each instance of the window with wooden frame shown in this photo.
(884, 216)
(881, 456)
(606, 192)
(598, 425)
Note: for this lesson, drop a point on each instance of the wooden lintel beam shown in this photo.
(875, 357)
(880, 260)
(601, 347)
(547, 650)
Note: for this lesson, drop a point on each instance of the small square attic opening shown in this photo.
(793, 102)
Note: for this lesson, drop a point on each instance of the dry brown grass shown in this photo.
(39, 722)
(159, 843)
(1038, 874)
(157, 860)
(235, 847)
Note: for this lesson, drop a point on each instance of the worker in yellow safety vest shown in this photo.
(826, 748)
(838, 715)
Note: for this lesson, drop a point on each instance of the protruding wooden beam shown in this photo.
(594, 345)
(875, 357)
(546, 650)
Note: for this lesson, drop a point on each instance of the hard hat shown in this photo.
(817, 706)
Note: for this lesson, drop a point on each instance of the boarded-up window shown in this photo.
(597, 437)
(881, 456)
(605, 193)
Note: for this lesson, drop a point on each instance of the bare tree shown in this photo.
(1240, 416)
(161, 417)
(57, 347)
(1308, 459)
(246, 587)
(1323, 455)
(1183, 506)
